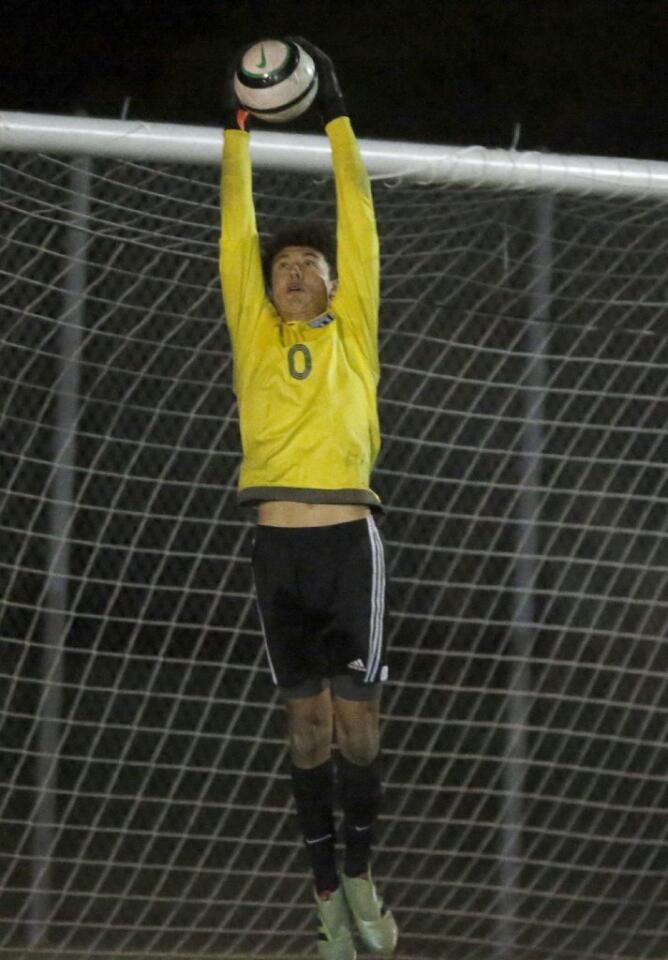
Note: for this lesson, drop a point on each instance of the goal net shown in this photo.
(145, 799)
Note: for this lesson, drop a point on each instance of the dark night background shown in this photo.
(580, 76)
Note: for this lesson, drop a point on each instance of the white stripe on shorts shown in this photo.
(377, 601)
(264, 637)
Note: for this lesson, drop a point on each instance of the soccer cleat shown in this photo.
(375, 923)
(335, 941)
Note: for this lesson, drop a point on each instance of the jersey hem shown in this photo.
(254, 495)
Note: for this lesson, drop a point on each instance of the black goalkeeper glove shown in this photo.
(234, 115)
(329, 99)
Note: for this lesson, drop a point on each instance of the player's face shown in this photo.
(300, 283)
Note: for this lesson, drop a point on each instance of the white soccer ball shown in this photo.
(276, 80)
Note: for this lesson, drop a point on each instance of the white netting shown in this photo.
(145, 799)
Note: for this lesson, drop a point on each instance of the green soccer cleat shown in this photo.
(374, 921)
(335, 941)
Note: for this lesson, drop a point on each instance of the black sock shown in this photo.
(361, 793)
(314, 796)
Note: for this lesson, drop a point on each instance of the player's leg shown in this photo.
(359, 776)
(356, 641)
(310, 727)
(360, 792)
(297, 670)
(358, 648)
(297, 665)
(309, 722)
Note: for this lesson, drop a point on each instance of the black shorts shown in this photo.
(321, 598)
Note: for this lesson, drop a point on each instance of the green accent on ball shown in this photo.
(263, 61)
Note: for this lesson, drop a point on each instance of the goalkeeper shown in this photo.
(305, 372)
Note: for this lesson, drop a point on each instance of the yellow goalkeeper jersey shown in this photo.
(306, 390)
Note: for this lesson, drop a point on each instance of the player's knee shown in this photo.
(310, 742)
(359, 746)
(357, 730)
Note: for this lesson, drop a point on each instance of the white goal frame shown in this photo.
(306, 153)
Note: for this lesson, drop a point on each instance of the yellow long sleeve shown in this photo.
(306, 389)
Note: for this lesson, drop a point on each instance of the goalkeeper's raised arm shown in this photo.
(240, 262)
(358, 260)
(305, 374)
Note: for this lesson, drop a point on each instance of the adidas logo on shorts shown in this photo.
(357, 665)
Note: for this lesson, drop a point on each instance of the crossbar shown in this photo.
(385, 159)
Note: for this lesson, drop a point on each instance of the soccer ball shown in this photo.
(276, 80)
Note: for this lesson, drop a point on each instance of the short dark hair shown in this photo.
(309, 233)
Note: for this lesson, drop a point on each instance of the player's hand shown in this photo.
(329, 99)
(235, 116)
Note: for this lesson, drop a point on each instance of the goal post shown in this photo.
(523, 398)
